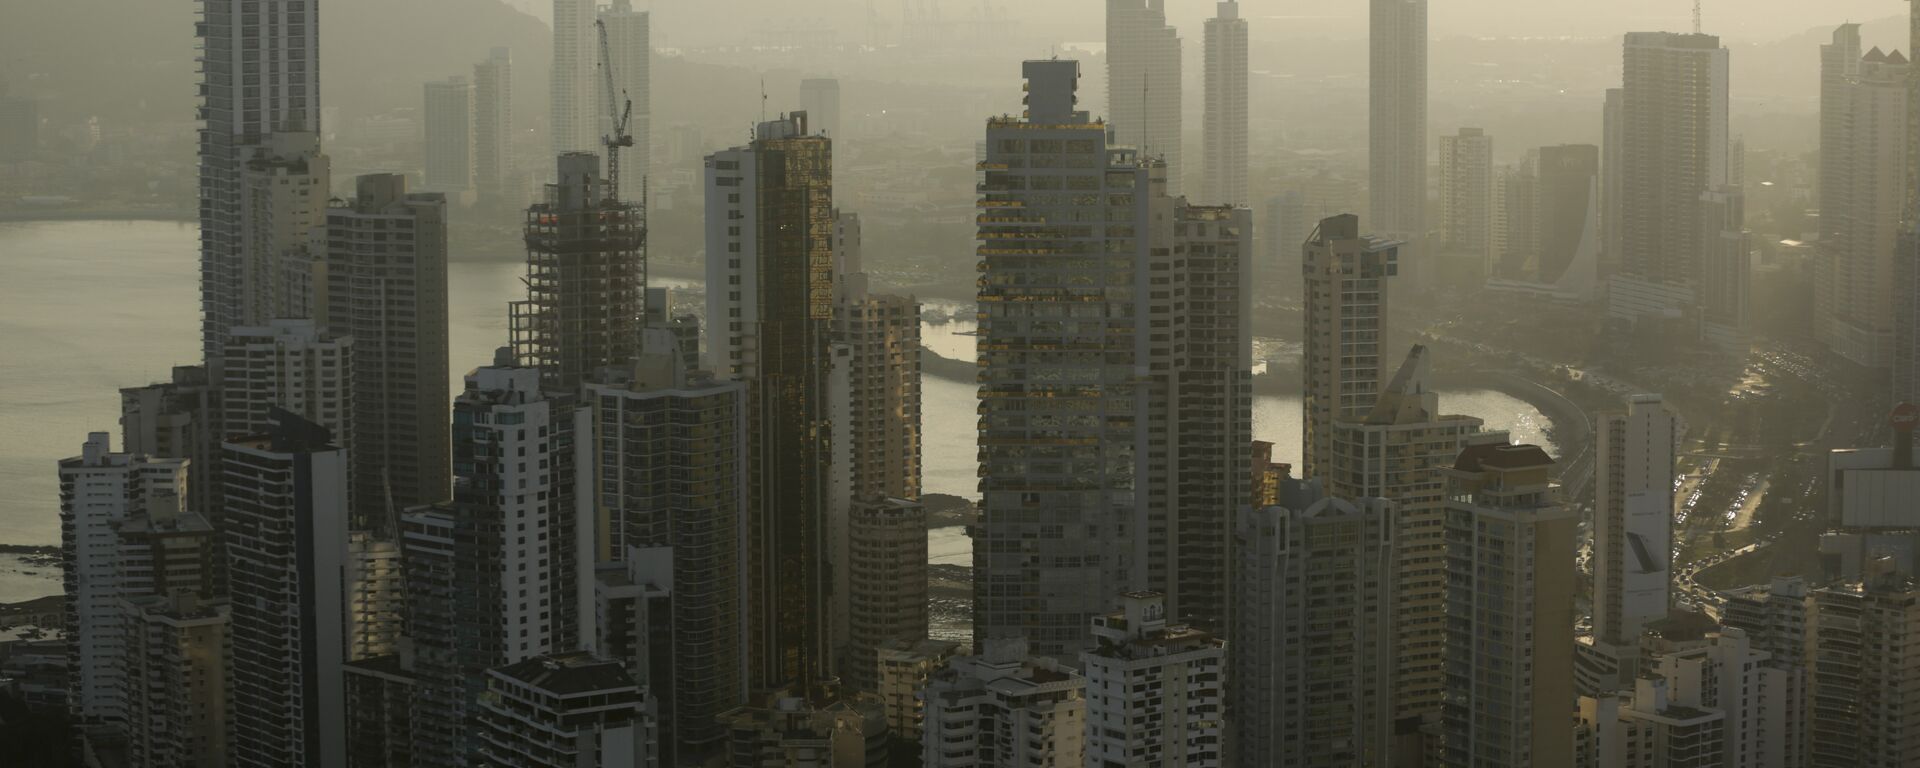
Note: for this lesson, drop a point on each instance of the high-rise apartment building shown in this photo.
(386, 287)
(1313, 639)
(1155, 690)
(1005, 709)
(905, 670)
(450, 128)
(770, 230)
(100, 492)
(574, 102)
(1863, 150)
(881, 336)
(1224, 124)
(1397, 452)
(1515, 238)
(177, 652)
(1674, 151)
(1345, 286)
(820, 99)
(289, 364)
(885, 589)
(1650, 726)
(1633, 519)
(1115, 453)
(673, 479)
(1613, 171)
(1397, 118)
(1860, 651)
(285, 526)
(259, 75)
(1466, 193)
(630, 59)
(569, 709)
(493, 133)
(1143, 83)
(502, 574)
(586, 279)
(1510, 593)
(173, 419)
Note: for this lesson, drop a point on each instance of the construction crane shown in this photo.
(619, 114)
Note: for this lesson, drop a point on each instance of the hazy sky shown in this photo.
(1737, 20)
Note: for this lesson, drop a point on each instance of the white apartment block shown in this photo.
(1005, 709)
(1466, 192)
(1633, 524)
(291, 365)
(1155, 691)
(99, 492)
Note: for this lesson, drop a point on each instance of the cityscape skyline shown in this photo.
(689, 511)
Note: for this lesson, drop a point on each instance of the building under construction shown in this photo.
(586, 278)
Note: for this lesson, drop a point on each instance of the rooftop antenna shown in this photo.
(1697, 26)
(763, 98)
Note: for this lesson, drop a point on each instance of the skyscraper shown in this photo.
(673, 479)
(1112, 457)
(881, 334)
(1143, 82)
(493, 133)
(1313, 642)
(630, 52)
(1863, 150)
(770, 270)
(450, 145)
(386, 269)
(1510, 592)
(820, 99)
(1346, 292)
(1397, 452)
(285, 526)
(1466, 192)
(586, 279)
(1633, 520)
(178, 646)
(283, 190)
(1613, 170)
(278, 42)
(497, 576)
(1674, 151)
(1397, 118)
(573, 99)
(1225, 121)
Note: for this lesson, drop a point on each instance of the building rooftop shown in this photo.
(569, 674)
(1478, 458)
